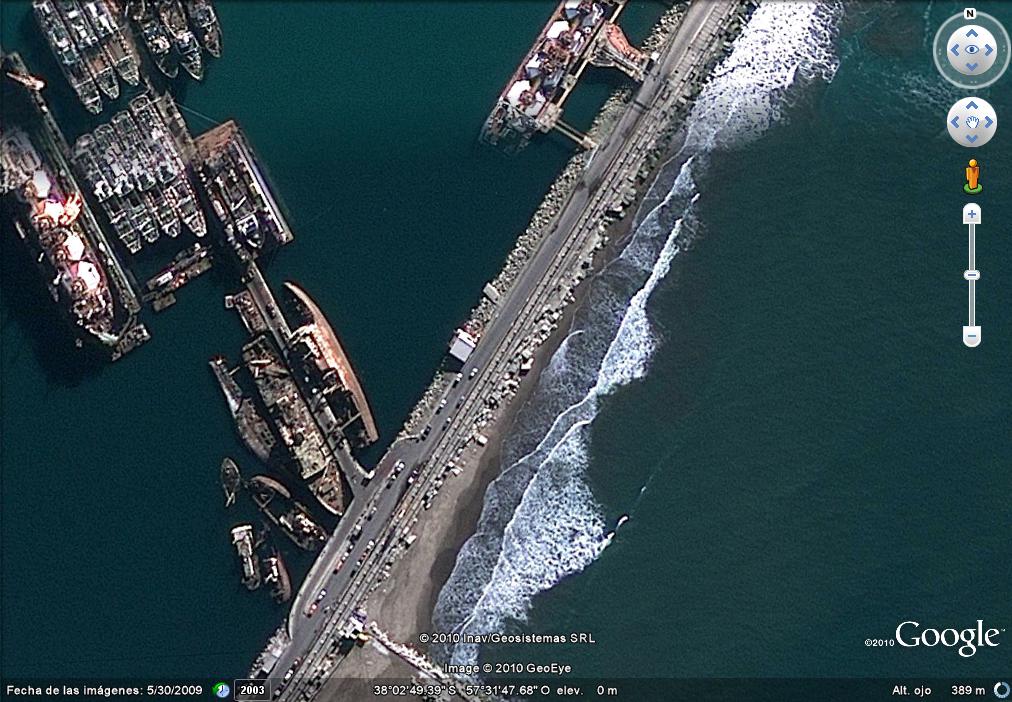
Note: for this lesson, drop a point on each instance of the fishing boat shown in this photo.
(158, 41)
(67, 55)
(230, 480)
(174, 19)
(108, 29)
(205, 25)
(90, 47)
(276, 502)
(242, 539)
(277, 575)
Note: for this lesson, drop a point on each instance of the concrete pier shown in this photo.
(517, 323)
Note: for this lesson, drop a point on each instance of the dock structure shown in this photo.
(579, 32)
(297, 426)
(250, 215)
(187, 265)
(135, 165)
(302, 378)
(290, 414)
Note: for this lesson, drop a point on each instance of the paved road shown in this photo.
(394, 503)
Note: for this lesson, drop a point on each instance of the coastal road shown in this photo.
(393, 504)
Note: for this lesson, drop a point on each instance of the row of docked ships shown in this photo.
(95, 50)
(138, 175)
(174, 32)
(90, 46)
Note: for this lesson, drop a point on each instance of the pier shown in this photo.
(384, 524)
(314, 408)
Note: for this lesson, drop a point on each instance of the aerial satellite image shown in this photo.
(505, 350)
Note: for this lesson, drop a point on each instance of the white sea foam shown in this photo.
(540, 521)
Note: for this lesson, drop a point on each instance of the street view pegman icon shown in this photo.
(972, 122)
(972, 184)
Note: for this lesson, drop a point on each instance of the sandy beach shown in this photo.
(403, 606)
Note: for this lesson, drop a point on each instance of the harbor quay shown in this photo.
(447, 432)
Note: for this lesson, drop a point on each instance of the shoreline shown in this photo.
(406, 601)
(401, 604)
(489, 466)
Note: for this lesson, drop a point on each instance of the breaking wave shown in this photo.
(540, 521)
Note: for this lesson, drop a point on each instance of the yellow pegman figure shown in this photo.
(972, 184)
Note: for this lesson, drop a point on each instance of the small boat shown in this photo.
(230, 480)
(277, 576)
(275, 501)
(242, 539)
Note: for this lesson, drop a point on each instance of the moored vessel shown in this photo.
(205, 25)
(291, 516)
(242, 539)
(45, 204)
(174, 19)
(90, 47)
(230, 479)
(158, 41)
(67, 55)
(109, 30)
(277, 575)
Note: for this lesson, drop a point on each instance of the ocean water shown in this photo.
(770, 382)
(116, 559)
